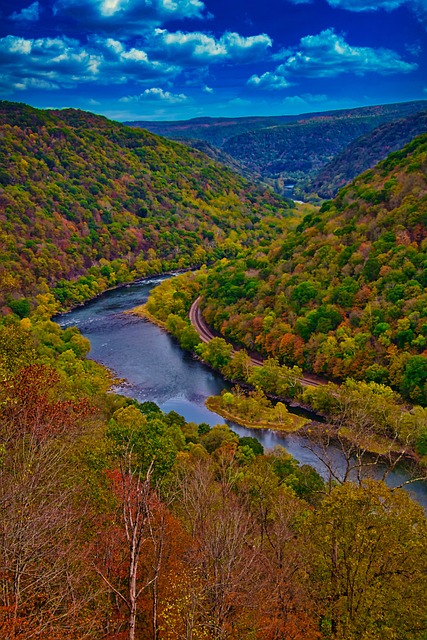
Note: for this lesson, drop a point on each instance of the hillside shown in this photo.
(285, 149)
(345, 293)
(83, 196)
(216, 154)
(364, 153)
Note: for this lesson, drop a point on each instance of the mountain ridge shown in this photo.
(79, 190)
(344, 293)
(284, 149)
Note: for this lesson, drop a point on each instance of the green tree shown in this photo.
(217, 352)
(414, 379)
(369, 563)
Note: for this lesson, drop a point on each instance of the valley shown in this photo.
(128, 508)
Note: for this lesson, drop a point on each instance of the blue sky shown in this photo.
(178, 59)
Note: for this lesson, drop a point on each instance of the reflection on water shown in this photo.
(155, 368)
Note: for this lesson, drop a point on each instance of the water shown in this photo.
(154, 367)
(288, 190)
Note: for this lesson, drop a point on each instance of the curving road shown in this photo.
(206, 335)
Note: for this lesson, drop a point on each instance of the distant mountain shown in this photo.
(216, 131)
(364, 153)
(83, 196)
(345, 293)
(285, 149)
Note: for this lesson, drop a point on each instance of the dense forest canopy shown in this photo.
(344, 294)
(294, 149)
(364, 153)
(84, 196)
(119, 521)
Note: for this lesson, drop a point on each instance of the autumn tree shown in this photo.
(44, 586)
(369, 565)
(131, 562)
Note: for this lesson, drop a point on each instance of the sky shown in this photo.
(179, 59)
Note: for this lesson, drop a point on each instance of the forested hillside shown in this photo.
(345, 293)
(286, 149)
(121, 522)
(83, 196)
(364, 153)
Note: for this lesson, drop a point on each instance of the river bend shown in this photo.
(154, 367)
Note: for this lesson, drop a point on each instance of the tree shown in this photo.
(414, 380)
(42, 512)
(240, 366)
(217, 352)
(135, 544)
(189, 338)
(224, 553)
(364, 418)
(369, 566)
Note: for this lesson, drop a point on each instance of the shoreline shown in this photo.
(123, 285)
(258, 424)
(386, 451)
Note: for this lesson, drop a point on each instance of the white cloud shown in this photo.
(28, 14)
(121, 64)
(207, 89)
(51, 63)
(419, 7)
(156, 94)
(201, 49)
(35, 83)
(366, 5)
(45, 63)
(414, 48)
(127, 16)
(269, 81)
(327, 55)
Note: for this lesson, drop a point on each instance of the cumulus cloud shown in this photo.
(45, 63)
(198, 48)
(156, 94)
(327, 55)
(270, 81)
(419, 7)
(28, 14)
(127, 16)
(120, 64)
(52, 63)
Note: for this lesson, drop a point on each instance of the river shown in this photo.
(154, 367)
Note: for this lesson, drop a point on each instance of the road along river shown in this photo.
(154, 367)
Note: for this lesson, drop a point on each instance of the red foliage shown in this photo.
(29, 405)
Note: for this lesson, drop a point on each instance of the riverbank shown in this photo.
(157, 369)
(338, 407)
(143, 312)
(124, 285)
(264, 414)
